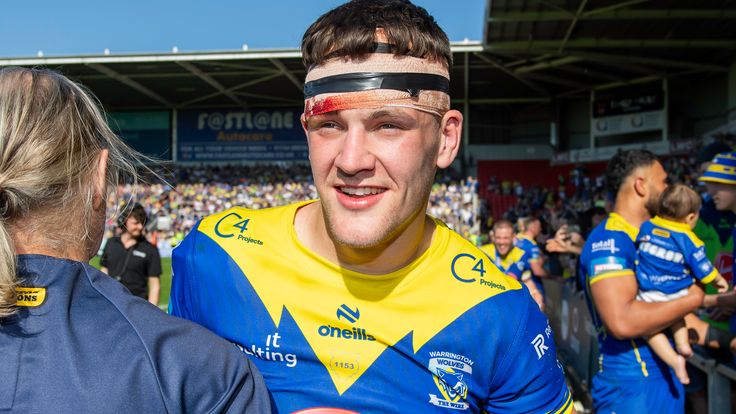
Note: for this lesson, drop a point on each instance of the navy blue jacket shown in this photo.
(81, 343)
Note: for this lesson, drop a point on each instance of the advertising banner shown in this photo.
(238, 135)
(628, 114)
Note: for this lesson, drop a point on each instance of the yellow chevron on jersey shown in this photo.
(255, 241)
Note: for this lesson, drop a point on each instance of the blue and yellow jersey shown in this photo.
(447, 333)
(610, 252)
(670, 255)
(529, 246)
(513, 264)
(532, 254)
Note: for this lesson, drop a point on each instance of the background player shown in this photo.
(669, 256)
(360, 300)
(529, 229)
(509, 258)
(630, 377)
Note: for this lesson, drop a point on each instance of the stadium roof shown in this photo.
(533, 52)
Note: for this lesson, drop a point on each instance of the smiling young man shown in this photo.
(359, 300)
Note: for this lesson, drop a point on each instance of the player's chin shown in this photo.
(358, 233)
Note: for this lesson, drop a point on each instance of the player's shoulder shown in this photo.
(517, 253)
(464, 269)
(610, 237)
(271, 213)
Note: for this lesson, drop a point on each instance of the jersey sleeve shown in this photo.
(521, 269)
(696, 258)
(531, 251)
(529, 378)
(183, 299)
(610, 256)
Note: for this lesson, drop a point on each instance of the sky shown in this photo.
(85, 27)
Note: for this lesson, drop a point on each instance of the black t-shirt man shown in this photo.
(131, 259)
(132, 266)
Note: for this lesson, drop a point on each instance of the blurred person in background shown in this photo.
(529, 229)
(131, 259)
(509, 258)
(630, 377)
(74, 340)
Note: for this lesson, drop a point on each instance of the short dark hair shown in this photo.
(677, 201)
(623, 164)
(136, 211)
(350, 30)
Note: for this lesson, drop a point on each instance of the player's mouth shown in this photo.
(352, 197)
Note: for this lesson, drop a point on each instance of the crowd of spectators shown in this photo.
(193, 192)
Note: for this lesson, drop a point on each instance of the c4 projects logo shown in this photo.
(233, 224)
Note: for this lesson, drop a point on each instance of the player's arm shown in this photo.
(535, 263)
(154, 289)
(725, 300)
(534, 292)
(614, 296)
(702, 268)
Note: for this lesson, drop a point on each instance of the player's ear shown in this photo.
(451, 133)
(100, 178)
(640, 185)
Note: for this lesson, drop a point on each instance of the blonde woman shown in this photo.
(72, 338)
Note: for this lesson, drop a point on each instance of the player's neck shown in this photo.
(411, 241)
(631, 210)
(127, 239)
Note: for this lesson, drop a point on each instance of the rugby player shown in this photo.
(509, 258)
(526, 240)
(359, 300)
(630, 377)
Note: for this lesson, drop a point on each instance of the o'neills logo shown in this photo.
(29, 296)
(355, 333)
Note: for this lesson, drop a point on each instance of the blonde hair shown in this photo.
(52, 133)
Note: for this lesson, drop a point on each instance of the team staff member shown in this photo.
(360, 300)
(630, 378)
(509, 258)
(72, 340)
(131, 259)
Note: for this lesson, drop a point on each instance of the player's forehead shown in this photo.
(373, 114)
(503, 232)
